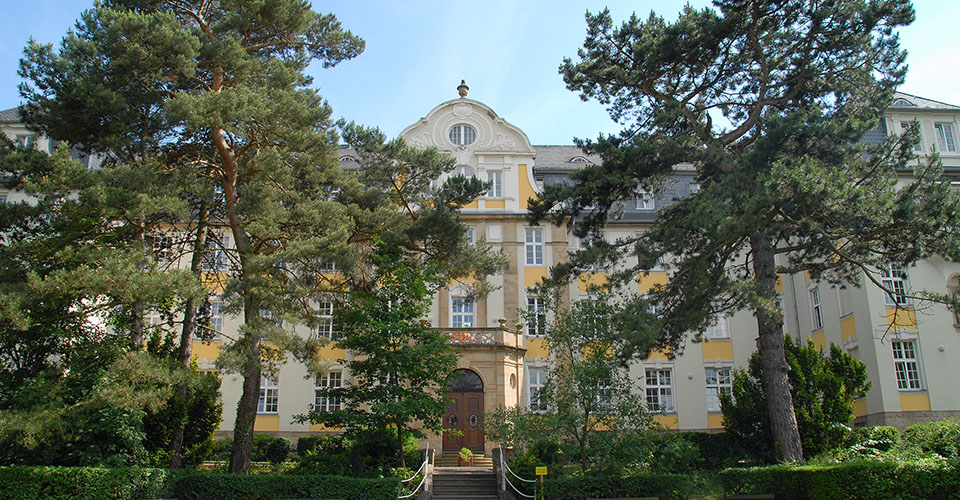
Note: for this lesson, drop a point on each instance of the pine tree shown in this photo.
(768, 102)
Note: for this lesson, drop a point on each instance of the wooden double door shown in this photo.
(465, 414)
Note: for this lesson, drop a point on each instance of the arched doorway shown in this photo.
(464, 411)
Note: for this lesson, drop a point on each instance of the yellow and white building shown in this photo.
(910, 358)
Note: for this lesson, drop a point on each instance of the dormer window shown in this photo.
(347, 159)
(901, 102)
(579, 159)
(462, 135)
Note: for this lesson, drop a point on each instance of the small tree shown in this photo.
(589, 404)
(399, 363)
(823, 389)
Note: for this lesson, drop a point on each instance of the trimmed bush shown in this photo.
(941, 437)
(87, 483)
(932, 479)
(261, 442)
(268, 487)
(308, 443)
(665, 486)
(717, 449)
(278, 450)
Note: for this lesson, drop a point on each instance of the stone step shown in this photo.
(464, 484)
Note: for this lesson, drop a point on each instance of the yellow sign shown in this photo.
(541, 471)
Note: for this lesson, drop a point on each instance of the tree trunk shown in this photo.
(776, 384)
(403, 460)
(247, 406)
(189, 327)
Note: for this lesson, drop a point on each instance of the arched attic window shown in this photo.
(901, 102)
(347, 159)
(579, 159)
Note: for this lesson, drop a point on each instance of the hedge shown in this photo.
(934, 479)
(665, 486)
(87, 483)
(268, 487)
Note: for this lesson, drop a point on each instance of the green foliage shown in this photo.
(269, 487)
(465, 454)
(309, 443)
(87, 483)
(200, 415)
(823, 389)
(717, 450)
(278, 450)
(664, 486)
(941, 437)
(367, 452)
(931, 479)
(590, 405)
(220, 450)
(399, 362)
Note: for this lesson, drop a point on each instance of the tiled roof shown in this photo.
(903, 100)
(11, 115)
(562, 158)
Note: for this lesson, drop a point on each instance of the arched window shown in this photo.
(462, 135)
(464, 381)
(465, 171)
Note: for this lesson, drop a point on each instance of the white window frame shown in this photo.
(946, 140)
(816, 309)
(215, 260)
(495, 177)
(327, 266)
(462, 312)
(918, 147)
(269, 401)
(328, 328)
(906, 362)
(471, 235)
(719, 381)
(658, 386)
(645, 200)
(893, 277)
(462, 134)
(216, 321)
(536, 315)
(332, 380)
(533, 246)
(718, 329)
(536, 379)
(465, 171)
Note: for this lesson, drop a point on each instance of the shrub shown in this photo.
(232, 486)
(928, 479)
(278, 450)
(308, 443)
(83, 483)
(220, 449)
(664, 486)
(941, 437)
(717, 450)
(260, 444)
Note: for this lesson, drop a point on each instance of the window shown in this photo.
(816, 316)
(462, 316)
(918, 147)
(945, 139)
(536, 378)
(163, 249)
(718, 382)
(215, 259)
(329, 327)
(269, 400)
(462, 135)
(893, 277)
(579, 159)
(717, 328)
(495, 177)
(25, 141)
(465, 171)
(659, 391)
(694, 187)
(538, 181)
(215, 322)
(327, 266)
(536, 316)
(905, 362)
(3, 198)
(645, 200)
(332, 380)
(534, 246)
(470, 236)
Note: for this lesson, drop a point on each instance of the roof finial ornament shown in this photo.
(463, 89)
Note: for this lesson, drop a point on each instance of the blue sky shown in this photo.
(506, 50)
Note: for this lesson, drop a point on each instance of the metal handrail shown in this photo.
(423, 466)
(505, 468)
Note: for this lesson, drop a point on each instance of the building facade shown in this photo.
(503, 362)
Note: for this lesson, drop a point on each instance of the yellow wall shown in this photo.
(717, 349)
(671, 422)
(537, 348)
(848, 328)
(472, 204)
(646, 283)
(590, 280)
(266, 424)
(916, 401)
(495, 204)
(533, 275)
(859, 407)
(207, 350)
(902, 319)
(779, 284)
(526, 190)
(331, 352)
(714, 421)
(657, 356)
(820, 339)
(322, 428)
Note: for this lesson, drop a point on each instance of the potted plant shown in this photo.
(465, 457)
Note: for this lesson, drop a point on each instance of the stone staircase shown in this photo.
(465, 483)
(450, 460)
